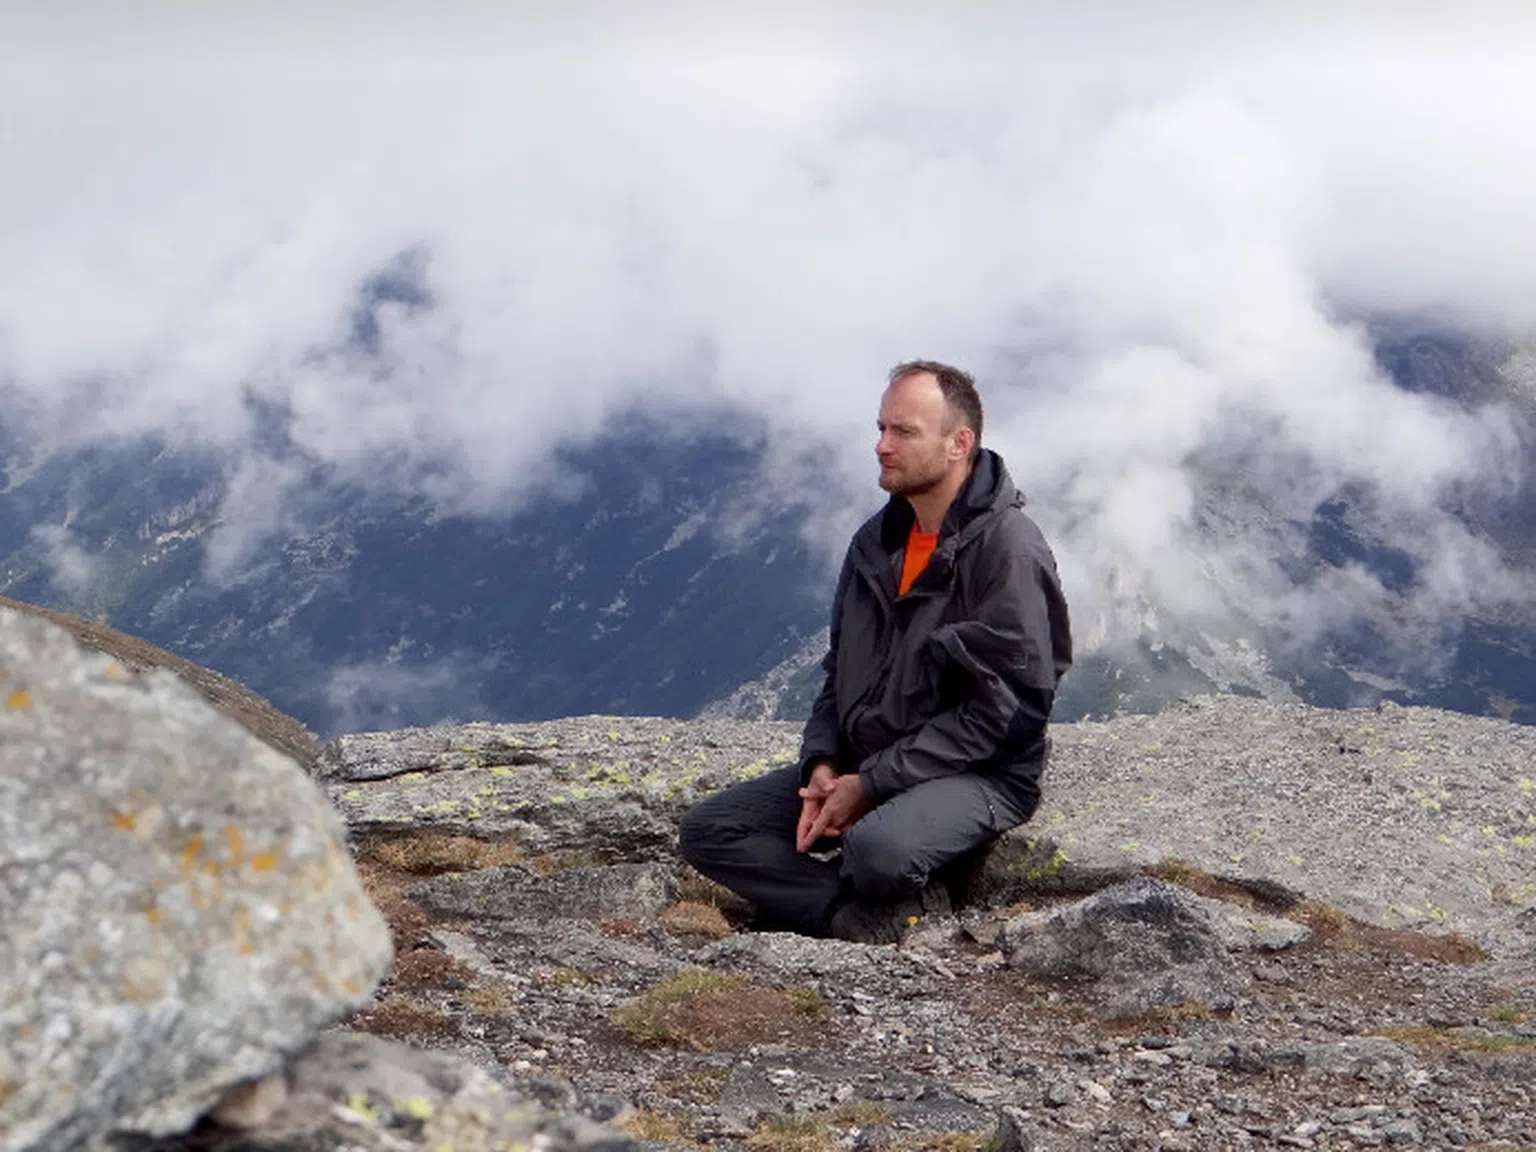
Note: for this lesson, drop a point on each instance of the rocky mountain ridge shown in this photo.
(1231, 925)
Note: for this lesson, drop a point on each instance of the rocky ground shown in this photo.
(685, 1029)
(546, 931)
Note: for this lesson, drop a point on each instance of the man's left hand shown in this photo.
(842, 807)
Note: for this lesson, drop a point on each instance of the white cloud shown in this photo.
(1149, 230)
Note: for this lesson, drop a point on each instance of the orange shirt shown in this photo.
(920, 547)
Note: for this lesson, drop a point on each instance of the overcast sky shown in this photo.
(1152, 231)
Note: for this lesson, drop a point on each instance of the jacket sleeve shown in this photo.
(1003, 654)
(822, 738)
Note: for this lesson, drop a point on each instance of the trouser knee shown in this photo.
(878, 869)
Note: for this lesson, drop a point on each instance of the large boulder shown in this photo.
(181, 914)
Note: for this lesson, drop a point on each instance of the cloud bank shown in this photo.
(437, 245)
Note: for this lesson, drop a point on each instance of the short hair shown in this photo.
(958, 388)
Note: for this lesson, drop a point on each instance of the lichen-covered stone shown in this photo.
(180, 912)
(1152, 941)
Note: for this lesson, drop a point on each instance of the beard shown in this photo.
(912, 480)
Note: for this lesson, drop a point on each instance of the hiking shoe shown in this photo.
(866, 922)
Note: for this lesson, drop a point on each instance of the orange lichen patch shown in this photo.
(17, 699)
(241, 927)
(234, 843)
(152, 913)
(124, 821)
(191, 850)
(7, 1090)
(263, 861)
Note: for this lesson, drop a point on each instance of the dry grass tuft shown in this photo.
(407, 922)
(406, 1018)
(860, 1113)
(488, 999)
(1458, 1039)
(1200, 882)
(565, 977)
(564, 859)
(792, 1134)
(654, 1127)
(690, 918)
(943, 1142)
(709, 1010)
(700, 1086)
(425, 968)
(433, 853)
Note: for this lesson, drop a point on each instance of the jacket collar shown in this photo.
(986, 489)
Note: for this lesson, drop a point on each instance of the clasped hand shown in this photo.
(830, 805)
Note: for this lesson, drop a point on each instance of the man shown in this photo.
(949, 636)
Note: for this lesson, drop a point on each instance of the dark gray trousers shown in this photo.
(744, 837)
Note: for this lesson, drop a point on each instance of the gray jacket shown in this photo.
(957, 675)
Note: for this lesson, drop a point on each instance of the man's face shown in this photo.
(915, 451)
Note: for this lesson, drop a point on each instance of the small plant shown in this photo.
(565, 977)
(656, 1016)
(488, 999)
(1510, 1014)
(1325, 920)
(807, 1001)
(404, 1017)
(433, 853)
(691, 918)
(792, 1134)
(424, 968)
(860, 1113)
(946, 1142)
(653, 1126)
(700, 1086)
(1458, 1039)
(707, 1009)
(1177, 871)
(564, 859)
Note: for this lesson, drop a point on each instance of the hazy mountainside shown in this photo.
(1481, 663)
(622, 596)
(652, 581)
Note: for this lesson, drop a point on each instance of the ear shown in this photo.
(964, 440)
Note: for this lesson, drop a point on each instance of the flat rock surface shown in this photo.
(1405, 817)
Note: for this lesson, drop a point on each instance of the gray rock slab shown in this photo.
(1151, 944)
(357, 1093)
(512, 892)
(1402, 817)
(613, 786)
(180, 911)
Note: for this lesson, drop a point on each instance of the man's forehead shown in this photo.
(918, 394)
